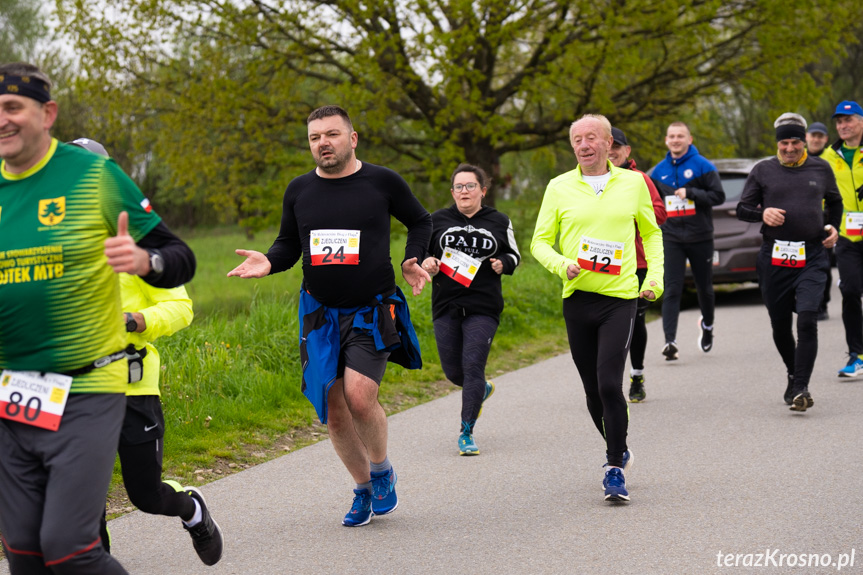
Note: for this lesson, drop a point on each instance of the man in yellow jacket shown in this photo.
(845, 156)
(148, 314)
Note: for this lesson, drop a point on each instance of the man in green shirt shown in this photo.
(64, 214)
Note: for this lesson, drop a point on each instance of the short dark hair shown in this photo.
(328, 111)
(25, 69)
(481, 176)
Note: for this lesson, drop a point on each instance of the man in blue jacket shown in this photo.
(691, 187)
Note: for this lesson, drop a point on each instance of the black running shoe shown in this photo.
(802, 401)
(705, 340)
(636, 389)
(206, 535)
(789, 390)
(670, 351)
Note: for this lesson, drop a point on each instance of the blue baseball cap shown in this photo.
(847, 108)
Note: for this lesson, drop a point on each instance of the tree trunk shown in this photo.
(483, 154)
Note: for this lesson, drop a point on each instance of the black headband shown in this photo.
(790, 131)
(25, 86)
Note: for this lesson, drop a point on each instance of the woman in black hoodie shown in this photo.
(471, 246)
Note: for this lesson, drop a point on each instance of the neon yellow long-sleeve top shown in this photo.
(572, 210)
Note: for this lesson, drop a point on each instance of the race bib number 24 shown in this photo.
(33, 398)
(334, 247)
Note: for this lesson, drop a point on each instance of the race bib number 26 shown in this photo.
(789, 254)
(34, 398)
(334, 247)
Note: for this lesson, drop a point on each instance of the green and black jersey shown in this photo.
(59, 299)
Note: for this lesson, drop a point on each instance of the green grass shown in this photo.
(231, 381)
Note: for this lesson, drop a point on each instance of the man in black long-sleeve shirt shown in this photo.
(352, 315)
(786, 193)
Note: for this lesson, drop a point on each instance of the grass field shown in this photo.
(231, 381)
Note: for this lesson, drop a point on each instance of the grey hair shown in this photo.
(606, 125)
(790, 119)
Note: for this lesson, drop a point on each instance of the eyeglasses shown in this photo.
(469, 186)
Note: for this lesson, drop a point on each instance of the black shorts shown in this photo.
(144, 420)
(793, 289)
(359, 353)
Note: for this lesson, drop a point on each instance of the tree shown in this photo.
(21, 29)
(436, 82)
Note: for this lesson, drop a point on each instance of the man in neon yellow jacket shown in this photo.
(845, 156)
(148, 314)
(594, 210)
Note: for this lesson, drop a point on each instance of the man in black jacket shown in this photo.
(787, 193)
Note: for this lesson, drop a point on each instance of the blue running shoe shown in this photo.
(466, 444)
(628, 459)
(854, 367)
(615, 485)
(361, 510)
(489, 389)
(384, 498)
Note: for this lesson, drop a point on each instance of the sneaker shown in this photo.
(670, 350)
(636, 389)
(384, 498)
(615, 485)
(705, 340)
(627, 463)
(361, 509)
(789, 390)
(802, 401)
(854, 367)
(466, 444)
(489, 389)
(206, 535)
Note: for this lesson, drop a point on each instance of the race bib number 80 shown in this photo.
(34, 398)
(334, 247)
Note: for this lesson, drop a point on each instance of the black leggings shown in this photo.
(788, 290)
(639, 330)
(463, 344)
(700, 256)
(849, 261)
(599, 329)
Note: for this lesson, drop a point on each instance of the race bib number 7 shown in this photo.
(854, 223)
(600, 256)
(34, 398)
(334, 247)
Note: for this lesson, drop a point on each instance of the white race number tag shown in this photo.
(854, 223)
(676, 207)
(789, 254)
(34, 398)
(460, 267)
(334, 247)
(600, 256)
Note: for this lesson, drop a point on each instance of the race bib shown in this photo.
(34, 398)
(789, 254)
(854, 223)
(334, 247)
(676, 207)
(460, 267)
(600, 256)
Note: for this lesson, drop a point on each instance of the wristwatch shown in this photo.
(131, 324)
(157, 264)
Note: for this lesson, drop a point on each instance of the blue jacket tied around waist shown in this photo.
(387, 319)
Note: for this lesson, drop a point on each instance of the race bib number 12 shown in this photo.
(600, 256)
(460, 267)
(34, 398)
(334, 247)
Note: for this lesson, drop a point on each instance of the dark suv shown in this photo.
(735, 243)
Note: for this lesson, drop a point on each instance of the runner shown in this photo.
(619, 156)
(787, 193)
(353, 317)
(63, 211)
(592, 209)
(150, 313)
(473, 245)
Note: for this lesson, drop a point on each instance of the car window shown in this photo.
(733, 186)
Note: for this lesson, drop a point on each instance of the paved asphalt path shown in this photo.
(721, 466)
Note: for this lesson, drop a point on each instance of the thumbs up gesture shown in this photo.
(122, 253)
